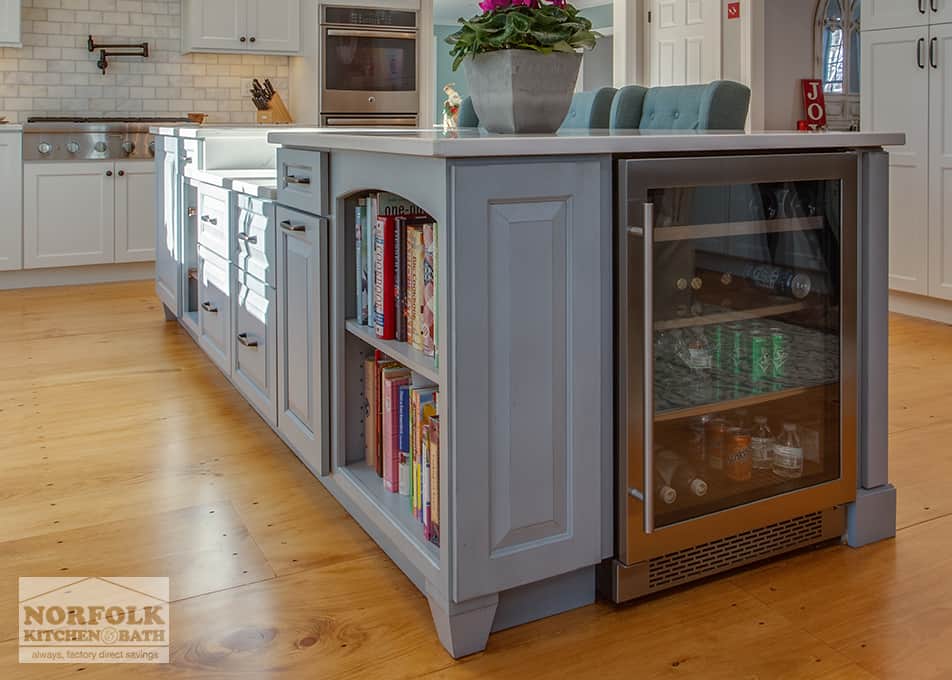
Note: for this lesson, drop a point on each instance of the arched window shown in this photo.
(837, 46)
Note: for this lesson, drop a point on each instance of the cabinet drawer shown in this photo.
(214, 308)
(193, 153)
(213, 219)
(302, 180)
(254, 241)
(254, 346)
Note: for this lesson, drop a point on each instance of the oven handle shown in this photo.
(362, 33)
(369, 122)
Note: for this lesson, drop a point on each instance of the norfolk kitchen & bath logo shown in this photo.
(94, 620)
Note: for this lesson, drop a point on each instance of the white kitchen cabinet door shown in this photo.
(302, 336)
(274, 25)
(135, 211)
(254, 363)
(214, 314)
(942, 14)
(10, 23)
(895, 95)
(168, 224)
(11, 198)
(880, 14)
(216, 25)
(940, 176)
(68, 214)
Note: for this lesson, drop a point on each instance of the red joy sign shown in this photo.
(814, 103)
(733, 10)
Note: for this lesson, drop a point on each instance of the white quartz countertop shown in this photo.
(476, 143)
(205, 131)
(256, 182)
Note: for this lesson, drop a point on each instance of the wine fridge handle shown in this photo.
(648, 358)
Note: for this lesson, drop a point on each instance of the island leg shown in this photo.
(463, 627)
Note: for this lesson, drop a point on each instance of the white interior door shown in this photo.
(684, 42)
(895, 96)
(940, 161)
(135, 211)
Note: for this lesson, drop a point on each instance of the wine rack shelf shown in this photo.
(702, 231)
(730, 316)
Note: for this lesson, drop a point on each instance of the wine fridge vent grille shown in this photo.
(734, 551)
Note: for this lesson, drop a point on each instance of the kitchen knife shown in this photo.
(270, 88)
(258, 86)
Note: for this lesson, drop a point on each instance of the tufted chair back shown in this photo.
(590, 110)
(720, 105)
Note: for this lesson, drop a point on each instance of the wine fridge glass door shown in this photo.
(743, 348)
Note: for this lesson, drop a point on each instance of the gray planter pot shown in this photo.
(522, 91)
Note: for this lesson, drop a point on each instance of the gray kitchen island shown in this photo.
(616, 318)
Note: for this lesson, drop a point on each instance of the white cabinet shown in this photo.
(135, 210)
(88, 213)
(214, 314)
(11, 198)
(10, 23)
(254, 362)
(167, 237)
(940, 163)
(907, 87)
(302, 334)
(68, 214)
(885, 14)
(266, 26)
(895, 96)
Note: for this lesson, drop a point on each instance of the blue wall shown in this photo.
(444, 70)
(601, 16)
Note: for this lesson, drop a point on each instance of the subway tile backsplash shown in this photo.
(54, 74)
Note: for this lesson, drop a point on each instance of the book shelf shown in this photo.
(403, 352)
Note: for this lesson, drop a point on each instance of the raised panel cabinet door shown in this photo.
(529, 252)
(274, 25)
(942, 14)
(895, 97)
(254, 360)
(167, 225)
(135, 210)
(881, 14)
(940, 160)
(68, 214)
(217, 24)
(303, 417)
(11, 198)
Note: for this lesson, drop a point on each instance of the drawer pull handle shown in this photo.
(187, 159)
(210, 308)
(210, 220)
(242, 236)
(287, 226)
(244, 340)
(192, 212)
(291, 179)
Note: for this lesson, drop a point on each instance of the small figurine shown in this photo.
(451, 108)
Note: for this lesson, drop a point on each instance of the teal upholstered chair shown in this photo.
(590, 110)
(467, 114)
(720, 105)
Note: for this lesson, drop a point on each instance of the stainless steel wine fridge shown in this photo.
(737, 362)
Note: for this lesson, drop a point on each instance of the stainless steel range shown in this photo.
(90, 139)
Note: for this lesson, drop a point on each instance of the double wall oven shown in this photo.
(369, 73)
(736, 349)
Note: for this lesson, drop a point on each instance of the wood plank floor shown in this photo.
(126, 453)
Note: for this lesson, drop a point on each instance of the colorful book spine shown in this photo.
(429, 290)
(370, 420)
(415, 292)
(383, 362)
(361, 258)
(384, 321)
(427, 526)
(393, 379)
(400, 277)
(411, 288)
(392, 205)
(403, 441)
(369, 222)
(434, 456)
(428, 409)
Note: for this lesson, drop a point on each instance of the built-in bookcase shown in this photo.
(389, 511)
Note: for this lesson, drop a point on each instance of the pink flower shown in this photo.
(491, 5)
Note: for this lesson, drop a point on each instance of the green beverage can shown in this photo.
(779, 353)
(760, 361)
(715, 336)
(735, 358)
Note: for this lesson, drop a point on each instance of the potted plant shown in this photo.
(521, 58)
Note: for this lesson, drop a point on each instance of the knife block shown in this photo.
(277, 113)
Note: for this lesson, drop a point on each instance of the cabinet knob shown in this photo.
(243, 39)
(254, 39)
(108, 173)
(122, 173)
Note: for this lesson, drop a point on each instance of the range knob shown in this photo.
(128, 148)
(44, 148)
(73, 147)
(101, 147)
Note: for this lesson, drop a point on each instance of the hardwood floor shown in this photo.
(127, 453)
